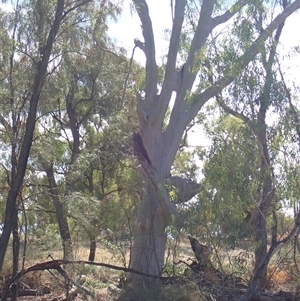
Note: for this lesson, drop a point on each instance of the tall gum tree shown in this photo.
(161, 141)
(257, 101)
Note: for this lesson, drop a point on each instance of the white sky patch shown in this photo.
(128, 27)
(289, 41)
(7, 7)
(290, 35)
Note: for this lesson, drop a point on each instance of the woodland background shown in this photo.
(75, 184)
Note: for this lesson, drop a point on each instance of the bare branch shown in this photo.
(56, 265)
(185, 189)
(230, 12)
(170, 75)
(294, 231)
(151, 67)
(199, 100)
(128, 73)
(232, 112)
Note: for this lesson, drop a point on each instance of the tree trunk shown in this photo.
(74, 127)
(260, 216)
(16, 251)
(268, 190)
(148, 250)
(61, 215)
(92, 249)
(28, 137)
(91, 232)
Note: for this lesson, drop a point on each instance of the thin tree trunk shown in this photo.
(262, 256)
(74, 126)
(261, 213)
(267, 200)
(61, 215)
(14, 164)
(92, 249)
(16, 252)
(92, 236)
(28, 137)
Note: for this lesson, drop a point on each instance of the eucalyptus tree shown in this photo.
(186, 77)
(230, 178)
(253, 94)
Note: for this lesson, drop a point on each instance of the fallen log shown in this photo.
(56, 265)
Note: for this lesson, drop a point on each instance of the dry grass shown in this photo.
(282, 278)
(103, 254)
(97, 278)
(102, 282)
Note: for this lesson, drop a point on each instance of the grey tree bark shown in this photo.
(147, 253)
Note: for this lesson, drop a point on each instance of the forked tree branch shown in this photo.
(199, 100)
(182, 112)
(204, 28)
